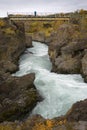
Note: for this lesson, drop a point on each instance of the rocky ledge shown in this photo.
(18, 96)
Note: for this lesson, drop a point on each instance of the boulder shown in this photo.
(68, 65)
(18, 96)
(84, 67)
(78, 112)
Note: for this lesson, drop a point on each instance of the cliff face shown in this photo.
(18, 96)
(12, 44)
(68, 51)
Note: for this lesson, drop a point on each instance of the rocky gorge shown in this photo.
(67, 51)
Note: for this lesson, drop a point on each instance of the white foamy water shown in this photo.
(59, 91)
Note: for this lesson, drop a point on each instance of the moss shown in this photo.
(6, 128)
(9, 31)
(2, 23)
(10, 126)
(45, 27)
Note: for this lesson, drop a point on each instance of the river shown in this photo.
(59, 91)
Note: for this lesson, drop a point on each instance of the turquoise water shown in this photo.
(59, 91)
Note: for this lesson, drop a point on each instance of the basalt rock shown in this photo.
(39, 37)
(18, 96)
(28, 40)
(84, 66)
(78, 112)
(68, 65)
(12, 44)
(67, 51)
(39, 123)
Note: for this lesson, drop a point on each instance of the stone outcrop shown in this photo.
(84, 65)
(68, 65)
(28, 40)
(18, 96)
(12, 45)
(78, 112)
(68, 51)
(41, 37)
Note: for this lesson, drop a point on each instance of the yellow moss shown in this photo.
(7, 127)
(9, 31)
(45, 27)
(2, 23)
(56, 24)
(49, 123)
(39, 126)
(60, 122)
(10, 127)
(65, 121)
(52, 54)
(47, 31)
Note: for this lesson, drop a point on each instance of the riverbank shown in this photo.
(68, 50)
(18, 96)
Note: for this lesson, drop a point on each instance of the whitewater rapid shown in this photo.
(58, 90)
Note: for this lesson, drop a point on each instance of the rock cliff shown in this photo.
(68, 51)
(18, 96)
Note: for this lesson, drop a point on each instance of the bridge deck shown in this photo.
(39, 18)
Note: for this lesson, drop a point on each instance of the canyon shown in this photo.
(67, 52)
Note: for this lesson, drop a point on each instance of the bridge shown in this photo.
(24, 17)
